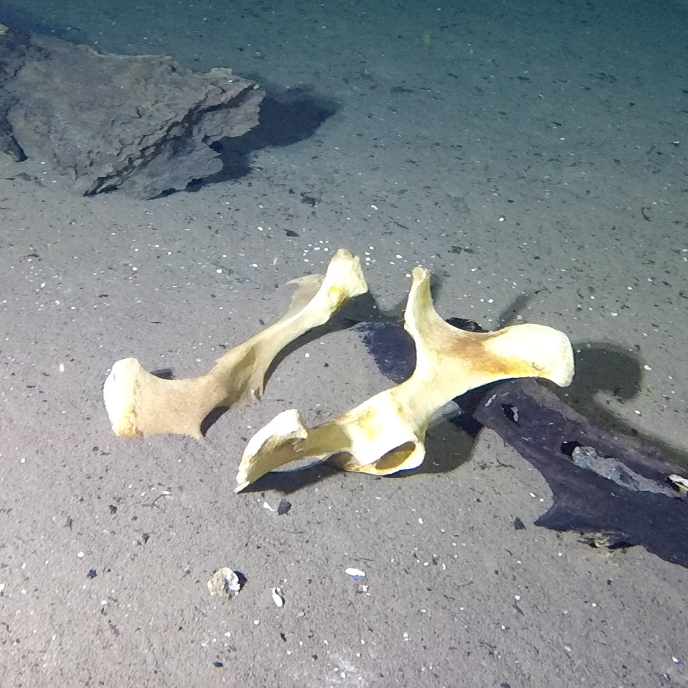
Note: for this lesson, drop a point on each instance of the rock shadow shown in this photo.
(287, 116)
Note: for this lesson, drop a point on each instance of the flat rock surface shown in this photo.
(143, 125)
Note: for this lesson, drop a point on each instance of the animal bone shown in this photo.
(140, 404)
(385, 434)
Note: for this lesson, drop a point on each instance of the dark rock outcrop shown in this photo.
(141, 124)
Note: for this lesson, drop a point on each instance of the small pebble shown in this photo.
(277, 597)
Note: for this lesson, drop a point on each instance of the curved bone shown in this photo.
(386, 433)
(140, 404)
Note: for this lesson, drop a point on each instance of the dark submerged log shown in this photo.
(613, 488)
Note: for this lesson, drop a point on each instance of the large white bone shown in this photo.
(140, 404)
(386, 433)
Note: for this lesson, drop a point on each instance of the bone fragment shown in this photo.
(140, 404)
(386, 433)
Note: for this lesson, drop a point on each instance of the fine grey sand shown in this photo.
(533, 157)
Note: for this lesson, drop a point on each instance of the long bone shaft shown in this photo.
(140, 404)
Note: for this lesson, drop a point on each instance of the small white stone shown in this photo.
(277, 597)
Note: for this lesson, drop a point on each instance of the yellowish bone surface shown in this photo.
(140, 404)
(386, 433)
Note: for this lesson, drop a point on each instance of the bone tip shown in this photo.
(420, 273)
(344, 254)
(345, 270)
(241, 486)
(118, 396)
(565, 377)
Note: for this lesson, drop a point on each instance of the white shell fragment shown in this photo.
(224, 583)
(356, 574)
(277, 597)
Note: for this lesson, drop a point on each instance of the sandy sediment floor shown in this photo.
(533, 157)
